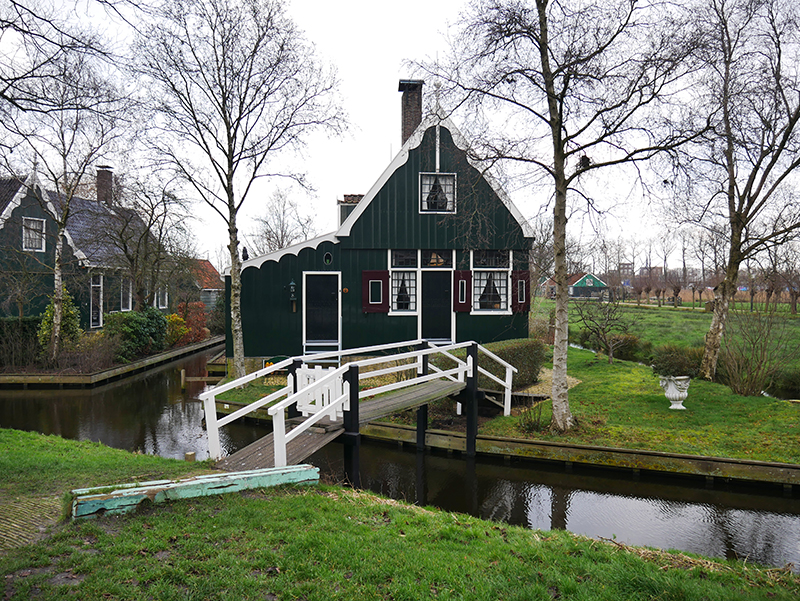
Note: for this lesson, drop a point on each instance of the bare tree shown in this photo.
(148, 232)
(577, 89)
(83, 124)
(236, 88)
(281, 225)
(607, 322)
(740, 173)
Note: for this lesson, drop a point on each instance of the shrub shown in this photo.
(627, 347)
(70, 323)
(94, 351)
(672, 360)
(137, 333)
(19, 341)
(176, 329)
(194, 314)
(526, 354)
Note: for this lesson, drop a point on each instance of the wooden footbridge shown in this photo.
(321, 405)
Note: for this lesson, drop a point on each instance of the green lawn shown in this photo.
(622, 405)
(330, 543)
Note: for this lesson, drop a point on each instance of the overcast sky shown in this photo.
(367, 42)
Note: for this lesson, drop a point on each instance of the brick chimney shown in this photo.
(104, 184)
(411, 111)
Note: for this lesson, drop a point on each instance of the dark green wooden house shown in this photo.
(434, 250)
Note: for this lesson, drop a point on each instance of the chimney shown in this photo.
(347, 205)
(104, 185)
(411, 111)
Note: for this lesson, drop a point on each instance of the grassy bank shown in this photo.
(622, 405)
(330, 543)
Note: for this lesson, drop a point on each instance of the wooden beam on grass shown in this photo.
(123, 498)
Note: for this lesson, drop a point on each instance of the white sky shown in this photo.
(367, 42)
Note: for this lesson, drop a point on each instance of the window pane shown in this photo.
(32, 234)
(404, 258)
(490, 258)
(437, 258)
(438, 192)
(404, 291)
(490, 290)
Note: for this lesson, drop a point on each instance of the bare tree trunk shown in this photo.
(58, 296)
(725, 292)
(236, 298)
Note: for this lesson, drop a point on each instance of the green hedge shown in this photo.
(526, 354)
(672, 360)
(138, 333)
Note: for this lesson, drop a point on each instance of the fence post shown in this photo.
(424, 359)
(210, 410)
(292, 410)
(507, 396)
(472, 398)
(351, 437)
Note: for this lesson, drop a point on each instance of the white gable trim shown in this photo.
(413, 142)
(289, 250)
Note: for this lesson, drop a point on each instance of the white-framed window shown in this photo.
(404, 290)
(490, 291)
(437, 192)
(162, 298)
(490, 280)
(403, 278)
(125, 294)
(96, 301)
(33, 234)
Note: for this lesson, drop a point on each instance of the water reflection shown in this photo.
(734, 523)
(151, 414)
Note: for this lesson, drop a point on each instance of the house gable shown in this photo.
(390, 215)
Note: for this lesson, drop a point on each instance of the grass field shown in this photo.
(330, 543)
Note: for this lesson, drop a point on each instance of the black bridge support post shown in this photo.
(292, 410)
(351, 437)
(471, 398)
(422, 411)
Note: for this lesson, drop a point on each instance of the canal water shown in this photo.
(150, 413)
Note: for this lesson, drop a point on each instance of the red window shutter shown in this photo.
(375, 291)
(520, 291)
(462, 291)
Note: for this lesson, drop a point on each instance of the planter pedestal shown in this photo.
(675, 389)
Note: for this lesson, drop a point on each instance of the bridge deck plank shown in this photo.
(260, 454)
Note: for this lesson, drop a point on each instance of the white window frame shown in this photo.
(162, 293)
(452, 204)
(126, 291)
(520, 292)
(415, 298)
(92, 287)
(29, 232)
(504, 273)
(370, 289)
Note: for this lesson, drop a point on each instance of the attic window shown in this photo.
(437, 193)
(33, 234)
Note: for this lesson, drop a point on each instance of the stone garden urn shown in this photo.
(675, 389)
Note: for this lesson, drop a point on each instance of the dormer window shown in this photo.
(437, 193)
(33, 234)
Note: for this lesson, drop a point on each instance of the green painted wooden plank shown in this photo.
(123, 498)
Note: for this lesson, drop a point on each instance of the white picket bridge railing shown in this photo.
(325, 393)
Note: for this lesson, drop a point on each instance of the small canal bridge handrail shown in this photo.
(209, 396)
(506, 384)
(341, 403)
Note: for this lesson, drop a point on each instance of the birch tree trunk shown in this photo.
(58, 295)
(236, 298)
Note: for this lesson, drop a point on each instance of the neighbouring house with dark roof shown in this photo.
(580, 285)
(209, 283)
(92, 271)
(434, 250)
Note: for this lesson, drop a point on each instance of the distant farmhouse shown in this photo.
(93, 272)
(434, 250)
(580, 285)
